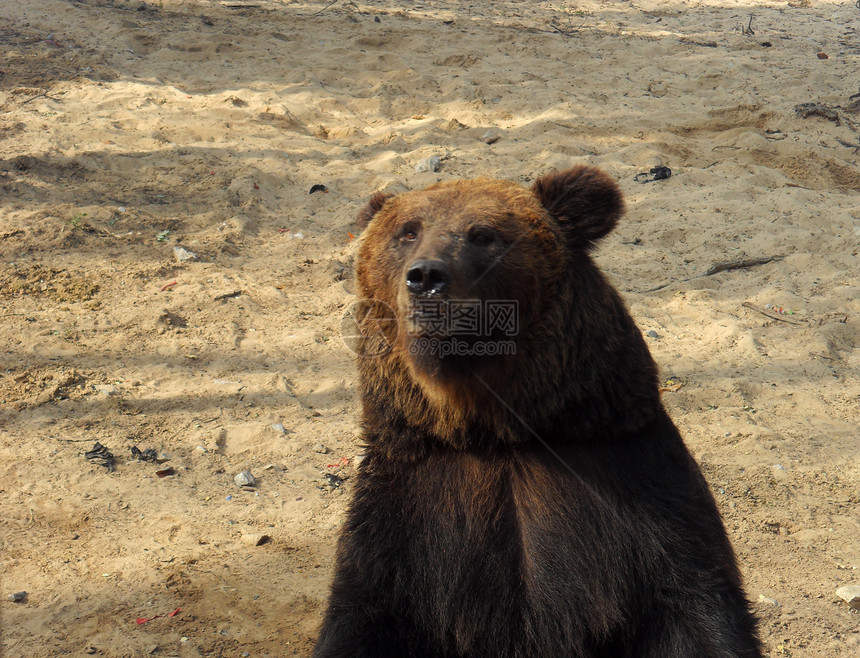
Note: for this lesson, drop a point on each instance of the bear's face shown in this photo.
(444, 258)
(467, 268)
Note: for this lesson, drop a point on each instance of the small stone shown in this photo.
(320, 448)
(183, 255)
(279, 428)
(356, 461)
(491, 137)
(245, 479)
(454, 126)
(764, 599)
(91, 651)
(652, 334)
(106, 389)
(850, 594)
(334, 481)
(201, 449)
(254, 539)
(433, 163)
(152, 650)
(17, 597)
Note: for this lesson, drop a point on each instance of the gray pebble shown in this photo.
(17, 597)
(320, 448)
(183, 255)
(491, 137)
(245, 479)
(433, 163)
(279, 428)
(850, 594)
(652, 334)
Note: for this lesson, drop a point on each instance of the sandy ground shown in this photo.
(129, 129)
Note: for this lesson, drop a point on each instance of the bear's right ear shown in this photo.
(585, 201)
(373, 206)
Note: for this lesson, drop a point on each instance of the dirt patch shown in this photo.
(54, 284)
(133, 128)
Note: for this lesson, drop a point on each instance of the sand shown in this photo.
(129, 129)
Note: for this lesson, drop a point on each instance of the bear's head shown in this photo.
(482, 292)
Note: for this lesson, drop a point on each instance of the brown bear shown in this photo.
(524, 493)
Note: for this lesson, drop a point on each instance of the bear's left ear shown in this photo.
(585, 201)
(373, 206)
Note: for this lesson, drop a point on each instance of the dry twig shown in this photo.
(720, 267)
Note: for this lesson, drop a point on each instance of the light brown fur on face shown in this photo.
(522, 264)
(538, 257)
(443, 214)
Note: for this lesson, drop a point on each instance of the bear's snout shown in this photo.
(427, 277)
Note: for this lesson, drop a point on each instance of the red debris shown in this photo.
(143, 620)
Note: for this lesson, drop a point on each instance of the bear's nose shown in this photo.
(427, 277)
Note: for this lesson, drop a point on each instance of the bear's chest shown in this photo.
(478, 543)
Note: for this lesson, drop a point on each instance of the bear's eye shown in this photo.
(482, 236)
(409, 233)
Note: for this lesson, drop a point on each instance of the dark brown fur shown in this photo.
(536, 504)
